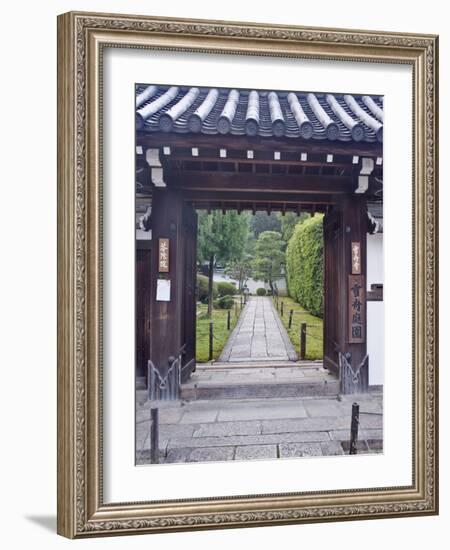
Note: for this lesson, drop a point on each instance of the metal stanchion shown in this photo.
(354, 428)
(154, 436)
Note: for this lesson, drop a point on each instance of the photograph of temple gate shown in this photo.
(259, 274)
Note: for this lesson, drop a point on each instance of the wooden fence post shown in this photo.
(211, 343)
(302, 341)
(291, 313)
(282, 308)
(228, 319)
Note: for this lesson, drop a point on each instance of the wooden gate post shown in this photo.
(345, 309)
(167, 312)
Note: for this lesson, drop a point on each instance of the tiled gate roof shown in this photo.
(305, 115)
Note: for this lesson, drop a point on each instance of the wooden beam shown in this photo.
(246, 181)
(176, 156)
(224, 198)
(156, 139)
(242, 206)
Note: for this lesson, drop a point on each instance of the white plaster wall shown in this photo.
(375, 259)
(375, 310)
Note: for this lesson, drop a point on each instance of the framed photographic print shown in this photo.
(247, 289)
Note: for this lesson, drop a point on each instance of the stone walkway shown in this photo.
(242, 429)
(259, 335)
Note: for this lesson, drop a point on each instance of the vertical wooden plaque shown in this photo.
(356, 309)
(163, 255)
(356, 258)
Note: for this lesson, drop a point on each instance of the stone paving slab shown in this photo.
(254, 452)
(216, 454)
(304, 424)
(331, 448)
(227, 429)
(190, 416)
(263, 411)
(239, 440)
(318, 409)
(288, 450)
(343, 435)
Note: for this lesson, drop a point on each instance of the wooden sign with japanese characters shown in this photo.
(356, 309)
(356, 258)
(163, 255)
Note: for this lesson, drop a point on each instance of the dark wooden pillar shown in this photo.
(345, 311)
(143, 280)
(166, 316)
(189, 289)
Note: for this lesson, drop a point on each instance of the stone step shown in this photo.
(259, 364)
(307, 387)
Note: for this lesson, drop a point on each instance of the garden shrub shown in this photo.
(224, 302)
(226, 289)
(304, 265)
(202, 288)
(261, 291)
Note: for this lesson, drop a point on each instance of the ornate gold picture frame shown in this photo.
(82, 40)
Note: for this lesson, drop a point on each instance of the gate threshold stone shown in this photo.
(259, 383)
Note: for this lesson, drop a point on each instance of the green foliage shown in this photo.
(288, 223)
(224, 302)
(314, 329)
(202, 288)
(261, 222)
(221, 334)
(222, 236)
(226, 289)
(304, 265)
(269, 257)
(241, 269)
(261, 291)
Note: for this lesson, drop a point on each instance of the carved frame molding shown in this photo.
(81, 37)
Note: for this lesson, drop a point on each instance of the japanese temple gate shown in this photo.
(208, 148)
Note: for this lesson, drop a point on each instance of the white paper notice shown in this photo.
(163, 290)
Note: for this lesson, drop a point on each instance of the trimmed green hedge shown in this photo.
(304, 265)
(261, 291)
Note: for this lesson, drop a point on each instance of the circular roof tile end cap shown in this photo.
(306, 130)
(139, 121)
(279, 128)
(332, 131)
(380, 135)
(223, 125)
(195, 123)
(165, 123)
(251, 127)
(358, 133)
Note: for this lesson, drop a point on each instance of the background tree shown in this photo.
(261, 221)
(240, 270)
(221, 238)
(288, 223)
(269, 257)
